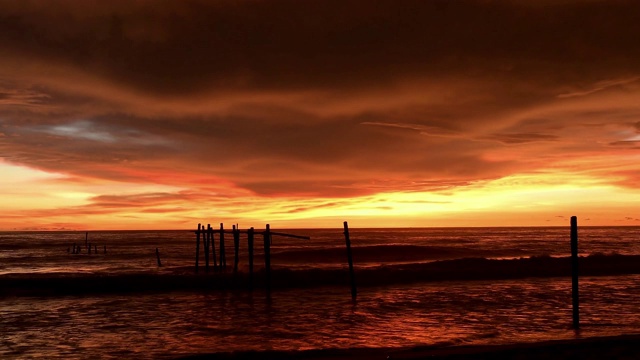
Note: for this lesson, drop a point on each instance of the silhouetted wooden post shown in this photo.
(89, 249)
(354, 292)
(158, 258)
(197, 246)
(105, 249)
(213, 247)
(250, 245)
(206, 236)
(86, 239)
(574, 273)
(236, 246)
(267, 258)
(223, 257)
(95, 249)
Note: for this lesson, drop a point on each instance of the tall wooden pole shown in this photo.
(354, 291)
(574, 273)
(197, 246)
(213, 247)
(236, 247)
(250, 245)
(223, 258)
(267, 257)
(206, 236)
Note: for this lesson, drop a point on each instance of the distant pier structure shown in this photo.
(76, 249)
(208, 235)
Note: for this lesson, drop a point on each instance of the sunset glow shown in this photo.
(115, 116)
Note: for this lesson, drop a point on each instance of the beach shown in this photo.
(420, 293)
(620, 347)
(616, 347)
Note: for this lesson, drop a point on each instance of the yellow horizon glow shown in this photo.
(39, 200)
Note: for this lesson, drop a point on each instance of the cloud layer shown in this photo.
(335, 100)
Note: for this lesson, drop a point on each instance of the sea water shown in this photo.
(168, 324)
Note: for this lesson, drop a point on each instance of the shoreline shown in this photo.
(604, 347)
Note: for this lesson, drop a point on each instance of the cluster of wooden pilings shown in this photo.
(78, 249)
(219, 260)
(208, 238)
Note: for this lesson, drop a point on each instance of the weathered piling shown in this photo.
(105, 249)
(213, 247)
(86, 239)
(208, 238)
(95, 249)
(158, 258)
(223, 257)
(236, 247)
(206, 235)
(574, 273)
(354, 292)
(197, 246)
(89, 249)
(267, 258)
(250, 246)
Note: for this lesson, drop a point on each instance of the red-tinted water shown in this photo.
(169, 324)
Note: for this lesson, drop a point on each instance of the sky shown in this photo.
(165, 114)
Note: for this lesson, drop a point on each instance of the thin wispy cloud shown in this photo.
(21, 97)
(422, 129)
(603, 85)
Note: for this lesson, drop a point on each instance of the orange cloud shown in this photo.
(140, 114)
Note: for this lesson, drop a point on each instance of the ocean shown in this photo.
(418, 286)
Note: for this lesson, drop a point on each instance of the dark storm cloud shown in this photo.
(189, 46)
(312, 98)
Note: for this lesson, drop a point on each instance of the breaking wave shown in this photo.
(184, 279)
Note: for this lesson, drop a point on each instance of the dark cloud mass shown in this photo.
(191, 46)
(314, 98)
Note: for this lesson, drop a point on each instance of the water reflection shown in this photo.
(165, 325)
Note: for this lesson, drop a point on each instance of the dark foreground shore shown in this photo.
(613, 347)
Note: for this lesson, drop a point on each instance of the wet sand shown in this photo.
(613, 347)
